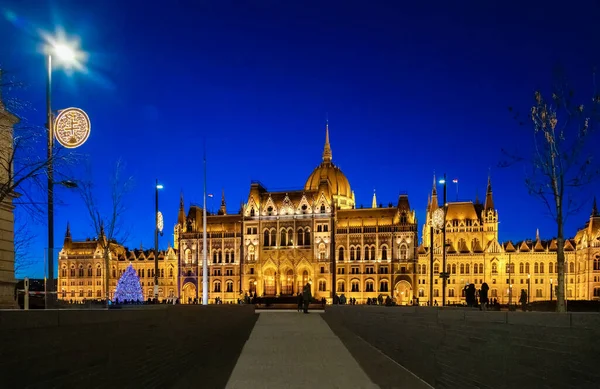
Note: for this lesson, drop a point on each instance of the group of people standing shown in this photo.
(471, 295)
(304, 298)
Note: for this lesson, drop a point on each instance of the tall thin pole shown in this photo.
(156, 243)
(444, 280)
(431, 265)
(50, 280)
(204, 260)
(509, 283)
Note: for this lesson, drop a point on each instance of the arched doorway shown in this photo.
(287, 282)
(403, 293)
(269, 279)
(188, 292)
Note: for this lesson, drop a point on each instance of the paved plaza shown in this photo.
(294, 350)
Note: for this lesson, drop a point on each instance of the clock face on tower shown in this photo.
(72, 127)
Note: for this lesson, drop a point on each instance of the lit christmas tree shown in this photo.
(128, 287)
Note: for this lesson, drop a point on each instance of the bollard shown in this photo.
(26, 297)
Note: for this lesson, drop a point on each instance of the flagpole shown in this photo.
(204, 260)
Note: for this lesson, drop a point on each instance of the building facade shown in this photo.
(281, 240)
(81, 268)
(475, 255)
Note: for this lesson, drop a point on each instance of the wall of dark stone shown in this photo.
(164, 346)
(460, 348)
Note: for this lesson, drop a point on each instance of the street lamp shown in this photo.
(67, 55)
(444, 275)
(528, 287)
(158, 227)
(550, 289)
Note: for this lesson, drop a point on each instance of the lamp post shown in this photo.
(550, 289)
(528, 287)
(69, 56)
(156, 231)
(509, 282)
(445, 274)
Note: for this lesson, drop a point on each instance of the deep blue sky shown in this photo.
(409, 88)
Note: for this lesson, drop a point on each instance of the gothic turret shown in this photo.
(68, 238)
(374, 203)
(433, 205)
(595, 209)
(327, 149)
(181, 215)
(223, 207)
(489, 199)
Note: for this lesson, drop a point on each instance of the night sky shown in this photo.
(409, 88)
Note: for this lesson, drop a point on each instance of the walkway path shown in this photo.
(293, 350)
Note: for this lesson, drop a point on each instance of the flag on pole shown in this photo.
(210, 195)
(455, 180)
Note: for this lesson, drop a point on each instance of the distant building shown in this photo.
(475, 255)
(281, 240)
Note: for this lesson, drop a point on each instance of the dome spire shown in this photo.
(374, 204)
(327, 149)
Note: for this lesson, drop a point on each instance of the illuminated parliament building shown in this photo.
(279, 241)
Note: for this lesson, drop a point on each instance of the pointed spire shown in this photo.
(594, 209)
(537, 234)
(223, 208)
(68, 232)
(489, 199)
(434, 203)
(327, 148)
(374, 204)
(181, 214)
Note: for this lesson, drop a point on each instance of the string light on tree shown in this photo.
(128, 287)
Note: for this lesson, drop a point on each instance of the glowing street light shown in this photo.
(69, 56)
(157, 226)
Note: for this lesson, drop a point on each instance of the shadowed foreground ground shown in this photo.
(182, 346)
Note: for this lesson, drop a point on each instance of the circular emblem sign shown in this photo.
(438, 218)
(159, 221)
(72, 127)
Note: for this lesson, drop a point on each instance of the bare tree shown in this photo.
(107, 221)
(561, 161)
(24, 161)
(23, 239)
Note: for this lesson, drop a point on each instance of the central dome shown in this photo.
(339, 184)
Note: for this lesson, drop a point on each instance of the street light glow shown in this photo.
(66, 51)
(159, 186)
(442, 181)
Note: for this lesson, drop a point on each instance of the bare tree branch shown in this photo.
(23, 239)
(561, 161)
(107, 221)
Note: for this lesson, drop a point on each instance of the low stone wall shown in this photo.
(159, 346)
(461, 348)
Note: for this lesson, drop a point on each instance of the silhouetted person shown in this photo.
(523, 299)
(470, 292)
(306, 297)
(300, 300)
(483, 296)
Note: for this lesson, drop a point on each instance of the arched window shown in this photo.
(436, 268)
(467, 269)
(171, 272)
(229, 286)
(341, 286)
(481, 268)
(220, 256)
(300, 239)
(80, 270)
(307, 237)
(266, 238)
(454, 269)
(352, 255)
(527, 268)
(494, 268)
(322, 208)
(232, 256)
(322, 251)
(521, 268)
(358, 253)
(273, 238)
(462, 268)
(283, 237)
(551, 267)
(373, 253)
(226, 256)
(355, 286)
(215, 257)
(63, 271)
(252, 212)
(322, 286)
(384, 253)
(89, 271)
(403, 251)
(423, 269)
(542, 268)
(114, 272)
(341, 254)
(536, 268)
(383, 286)
(217, 286)
(571, 267)
(369, 286)
(366, 253)
(596, 263)
(98, 271)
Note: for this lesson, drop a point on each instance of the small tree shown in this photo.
(107, 222)
(561, 162)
